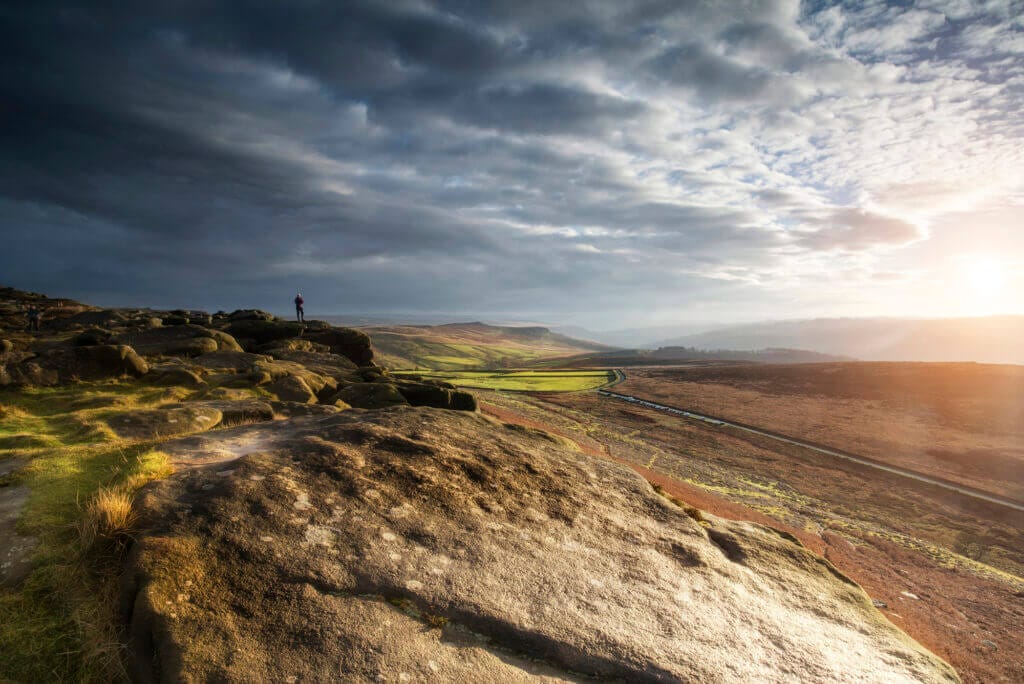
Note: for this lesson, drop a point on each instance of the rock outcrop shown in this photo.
(411, 544)
(305, 363)
(59, 366)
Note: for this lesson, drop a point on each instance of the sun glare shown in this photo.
(985, 277)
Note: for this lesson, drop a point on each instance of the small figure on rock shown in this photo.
(300, 315)
(34, 317)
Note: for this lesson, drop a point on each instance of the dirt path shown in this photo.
(15, 548)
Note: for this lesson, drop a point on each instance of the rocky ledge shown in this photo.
(211, 354)
(411, 544)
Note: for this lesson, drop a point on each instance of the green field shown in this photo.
(523, 380)
(396, 351)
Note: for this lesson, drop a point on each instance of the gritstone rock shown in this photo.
(424, 545)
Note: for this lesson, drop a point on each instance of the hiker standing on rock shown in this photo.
(300, 315)
(34, 316)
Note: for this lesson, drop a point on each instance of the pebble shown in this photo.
(879, 604)
(989, 644)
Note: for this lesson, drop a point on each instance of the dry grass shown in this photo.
(691, 511)
(960, 422)
(107, 520)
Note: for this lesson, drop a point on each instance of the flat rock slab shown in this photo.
(164, 422)
(427, 545)
(225, 445)
(15, 549)
(240, 411)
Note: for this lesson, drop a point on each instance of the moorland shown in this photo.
(946, 568)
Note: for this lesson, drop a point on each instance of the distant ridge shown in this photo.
(453, 346)
(989, 339)
(672, 355)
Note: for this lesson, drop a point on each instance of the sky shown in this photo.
(606, 164)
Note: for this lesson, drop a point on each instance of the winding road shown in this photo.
(720, 422)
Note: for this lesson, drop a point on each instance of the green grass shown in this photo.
(60, 623)
(522, 380)
(404, 352)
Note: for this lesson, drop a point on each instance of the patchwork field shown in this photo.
(523, 380)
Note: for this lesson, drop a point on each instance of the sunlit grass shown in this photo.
(60, 623)
(523, 380)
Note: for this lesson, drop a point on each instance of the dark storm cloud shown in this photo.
(434, 155)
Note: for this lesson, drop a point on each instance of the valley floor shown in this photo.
(946, 569)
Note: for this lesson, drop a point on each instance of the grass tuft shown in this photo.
(691, 511)
(107, 521)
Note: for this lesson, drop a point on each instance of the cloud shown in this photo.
(560, 159)
(858, 229)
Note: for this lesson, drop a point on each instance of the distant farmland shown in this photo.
(524, 380)
(464, 346)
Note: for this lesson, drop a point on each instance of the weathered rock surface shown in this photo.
(174, 340)
(331, 365)
(370, 395)
(175, 375)
(430, 394)
(77, 363)
(237, 361)
(292, 388)
(15, 548)
(424, 545)
(235, 412)
(166, 421)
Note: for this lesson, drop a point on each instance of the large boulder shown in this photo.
(429, 394)
(280, 369)
(370, 395)
(173, 340)
(237, 361)
(331, 365)
(175, 375)
(238, 412)
(292, 388)
(225, 342)
(290, 345)
(166, 421)
(257, 332)
(424, 545)
(62, 365)
(249, 315)
(349, 342)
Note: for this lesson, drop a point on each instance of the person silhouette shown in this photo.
(300, 315)
(34, 316)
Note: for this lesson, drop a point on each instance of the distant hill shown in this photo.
(989, 339)
(470, 345)
(673, 355)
